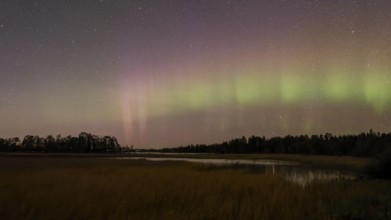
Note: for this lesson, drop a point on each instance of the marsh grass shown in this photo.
(101, 188)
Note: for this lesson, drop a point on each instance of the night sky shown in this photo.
(165, 73)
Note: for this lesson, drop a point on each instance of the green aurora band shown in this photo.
(373, 89)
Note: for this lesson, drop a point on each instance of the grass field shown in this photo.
(103, 188)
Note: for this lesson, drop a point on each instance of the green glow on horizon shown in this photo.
(193, 97)
(247, 90)
(293, 88)
(342, 87)
(253, 89)
(377, 91)
(258, 89)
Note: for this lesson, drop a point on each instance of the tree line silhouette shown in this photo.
(362, 145)
(84, 143)
(368, 144)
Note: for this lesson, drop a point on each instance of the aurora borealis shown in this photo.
(172, 72)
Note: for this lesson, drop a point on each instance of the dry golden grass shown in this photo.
(76, 188)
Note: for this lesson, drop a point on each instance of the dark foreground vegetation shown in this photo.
(381, 166)
(92, 188)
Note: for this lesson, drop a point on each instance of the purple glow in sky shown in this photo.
(167, 73)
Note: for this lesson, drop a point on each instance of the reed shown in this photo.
(101, 188)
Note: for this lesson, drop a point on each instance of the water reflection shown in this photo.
(304, 175)
(215, 161)
(290, 171)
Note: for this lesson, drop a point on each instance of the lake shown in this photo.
(291, 171)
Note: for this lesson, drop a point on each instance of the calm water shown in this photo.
(291, 171)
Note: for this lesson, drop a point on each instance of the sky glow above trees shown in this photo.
(167, 73)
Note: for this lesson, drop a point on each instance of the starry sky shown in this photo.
(163, 73)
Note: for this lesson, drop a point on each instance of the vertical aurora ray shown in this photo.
(135, 98)
(127, 121)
